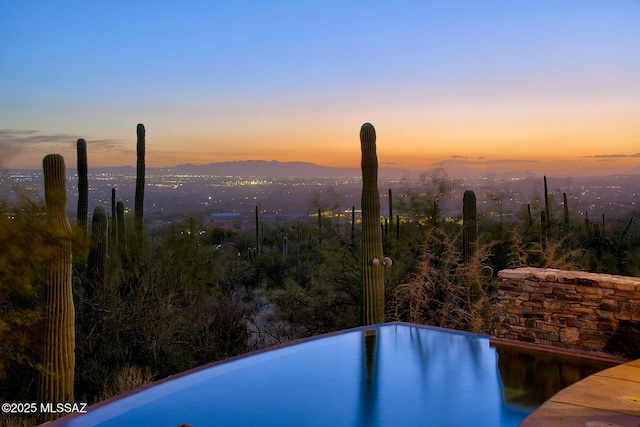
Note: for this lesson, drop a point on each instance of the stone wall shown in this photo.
(570, 309)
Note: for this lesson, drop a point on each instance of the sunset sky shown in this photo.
(555, 84)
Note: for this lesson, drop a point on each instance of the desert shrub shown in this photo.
(17, 420)
(316, 288)
(523, 250)
(127, 379)
(25, 242)
(445, 292)
(160, 331)
(28, 245)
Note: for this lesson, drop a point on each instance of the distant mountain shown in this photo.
(261, 168)
(255, 168)
(274, 169)
(277, 169)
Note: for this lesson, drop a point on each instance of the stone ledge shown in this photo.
(582, 278)
(571, 309)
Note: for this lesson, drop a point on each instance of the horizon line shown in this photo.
(469, 171)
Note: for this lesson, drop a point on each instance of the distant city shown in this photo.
(229, 200)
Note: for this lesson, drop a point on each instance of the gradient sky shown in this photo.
(554, 83)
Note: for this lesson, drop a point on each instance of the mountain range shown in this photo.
(277, 169)
(255, 168)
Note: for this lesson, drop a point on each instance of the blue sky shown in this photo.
(294, 80)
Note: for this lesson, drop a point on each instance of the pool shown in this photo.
(387, 375)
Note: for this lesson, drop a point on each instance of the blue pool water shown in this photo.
(389, 375)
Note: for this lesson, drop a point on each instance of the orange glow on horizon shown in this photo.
(401, 143)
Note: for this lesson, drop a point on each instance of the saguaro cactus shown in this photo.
(543, 229)
(469, 226)
(83, 187)
(320, 226)
(257, 230)
(547, 209)
(353, 225)
(139, 198)
(122, 241)
(390, 209)
(565, 218)
(114, 227)
(57, 375)
(97, 261)
(372, 260)
(285, 247)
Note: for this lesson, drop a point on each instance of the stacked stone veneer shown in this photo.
(569, 309)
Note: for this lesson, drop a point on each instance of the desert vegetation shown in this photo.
(149, 303)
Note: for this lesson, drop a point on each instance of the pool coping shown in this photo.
(608, 398)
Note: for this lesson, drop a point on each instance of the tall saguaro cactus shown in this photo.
(469, 226)
(83, 187)
(372, 261)
(57, 375)
(97, 261)
(139, 198)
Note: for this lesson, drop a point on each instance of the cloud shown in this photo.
(14, 141)
(393, 163)
(109, 144)
(499, 161)
(464, 161)
(25, 138)
(458, 157)
(613, 156)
